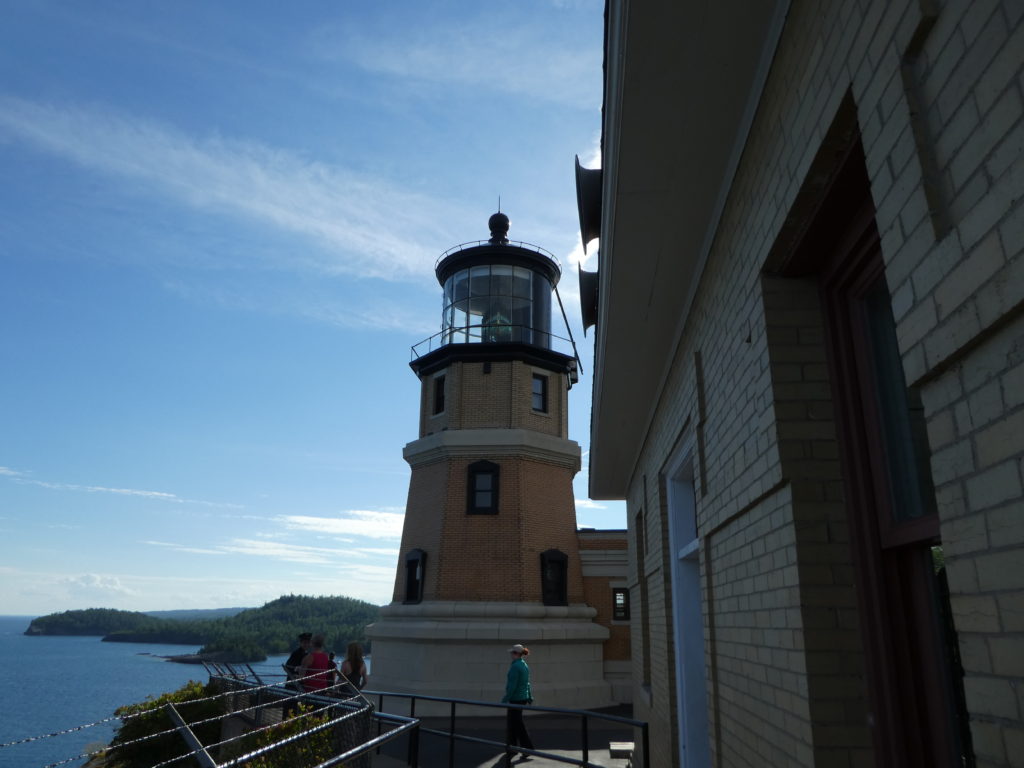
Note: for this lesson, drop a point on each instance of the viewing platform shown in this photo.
(377, 728)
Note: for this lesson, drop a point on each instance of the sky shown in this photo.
(218, 226)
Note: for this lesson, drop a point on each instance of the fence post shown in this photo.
(451, 738)
(586, 741)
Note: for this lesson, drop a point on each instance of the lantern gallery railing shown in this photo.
(494, 334)
(513, 243)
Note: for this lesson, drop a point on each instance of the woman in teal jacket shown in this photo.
(517, 691)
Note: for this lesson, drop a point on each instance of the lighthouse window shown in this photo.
(554, 566)
(540, 393)
(439, 394)
(522, 283)
(461, 285)
(415, 570)
(480, 281)
(501, 280)
(482, 488)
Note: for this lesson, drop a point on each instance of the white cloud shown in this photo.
(507, 56)
(153, 495)
(371, 523)
(351, 216)
(279, 550)
(9, 472)
(588, 504)
(96, 586)
(183, 548)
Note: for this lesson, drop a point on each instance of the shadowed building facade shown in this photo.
(809, 376)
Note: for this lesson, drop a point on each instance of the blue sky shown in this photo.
(218, 225)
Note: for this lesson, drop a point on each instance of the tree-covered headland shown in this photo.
(249, 635)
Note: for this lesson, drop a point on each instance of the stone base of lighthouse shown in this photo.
(460, 650)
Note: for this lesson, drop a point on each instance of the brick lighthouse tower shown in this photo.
(490, 552)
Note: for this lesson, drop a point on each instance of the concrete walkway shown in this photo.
(556, 734)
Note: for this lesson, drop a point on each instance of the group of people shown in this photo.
(316, 668)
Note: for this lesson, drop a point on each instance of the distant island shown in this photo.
(228, 634)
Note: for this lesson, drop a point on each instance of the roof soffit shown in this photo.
(682, 84)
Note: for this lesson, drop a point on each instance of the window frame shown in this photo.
(554, 591)
(543, 394)
(474, 471)
(620, 613)
(415, 576)
(439, 395)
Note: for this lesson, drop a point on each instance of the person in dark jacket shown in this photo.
(292, 667)
(518, 691)
(295, 660)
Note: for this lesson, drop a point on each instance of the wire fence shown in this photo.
(264, 725)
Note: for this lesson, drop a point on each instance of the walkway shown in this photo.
(557, 734)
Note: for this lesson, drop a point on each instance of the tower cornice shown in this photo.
(524, 443)
(442, 357)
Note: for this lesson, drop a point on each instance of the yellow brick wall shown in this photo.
(497, 557)
(948, 190)
(597, 592)
(499, 399)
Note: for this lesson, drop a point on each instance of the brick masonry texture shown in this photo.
(498, 557)
(938, 103)
(500, 398)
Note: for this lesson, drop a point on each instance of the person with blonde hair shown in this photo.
(518, 691)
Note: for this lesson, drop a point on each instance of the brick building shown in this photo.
(809, 377)
(490, 552)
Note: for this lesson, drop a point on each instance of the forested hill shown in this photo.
(249, 635)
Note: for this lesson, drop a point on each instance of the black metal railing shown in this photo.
(255, 694)
(452, 736)
(513, 243)
(494, 334)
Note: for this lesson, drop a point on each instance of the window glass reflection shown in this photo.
(480, 281)
(495, 303)
(461, 285)
(522, 281)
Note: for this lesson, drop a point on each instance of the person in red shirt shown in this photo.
(318, 664)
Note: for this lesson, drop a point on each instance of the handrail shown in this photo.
(504, 333)
(403, 724)
(514, 243)
(585, 716)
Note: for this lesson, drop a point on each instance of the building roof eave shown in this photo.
(682, 83)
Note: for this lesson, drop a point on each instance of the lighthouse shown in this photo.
(490, 552)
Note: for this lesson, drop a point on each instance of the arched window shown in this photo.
(553, 568)
(482, 488)
(415, 573)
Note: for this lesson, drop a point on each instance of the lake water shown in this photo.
(49, 684)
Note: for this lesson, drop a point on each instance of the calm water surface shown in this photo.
(49, 684)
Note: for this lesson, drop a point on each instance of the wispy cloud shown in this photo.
(275, 549)
(509, 55)
(588, 504)
(185, 548)
(350, 216)
(279, 550)
(364, 311)
(371, 523)
(135, 492)
(7, 471)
